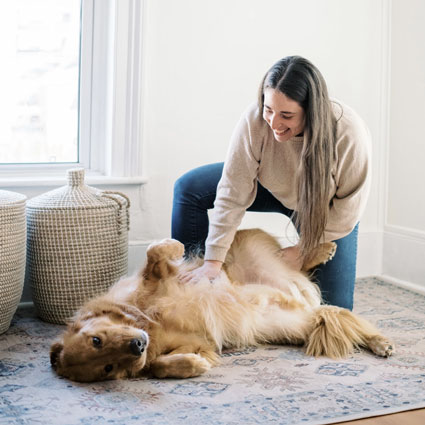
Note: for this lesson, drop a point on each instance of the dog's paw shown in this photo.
(321, 255)
(381, 346)
(180, 366)
(327, 251)
(167, 248)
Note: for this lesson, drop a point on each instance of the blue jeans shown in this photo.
(194, 195)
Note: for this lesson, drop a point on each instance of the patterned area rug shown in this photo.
(263, 385)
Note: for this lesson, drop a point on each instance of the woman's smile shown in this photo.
(284, 115)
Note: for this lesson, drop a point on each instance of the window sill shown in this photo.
(95, 180)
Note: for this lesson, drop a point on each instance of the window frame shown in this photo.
(110, 103)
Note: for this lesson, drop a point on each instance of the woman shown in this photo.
(295, 152)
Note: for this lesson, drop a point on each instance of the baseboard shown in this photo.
(136, 255)
(407, 232)
(404, 254)
(26, 304)
(420, 289)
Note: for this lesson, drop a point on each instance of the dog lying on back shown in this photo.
(153, 323)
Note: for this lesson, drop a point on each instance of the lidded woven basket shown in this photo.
(12, 254)
(77, 246)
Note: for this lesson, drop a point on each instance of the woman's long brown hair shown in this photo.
(301, 81)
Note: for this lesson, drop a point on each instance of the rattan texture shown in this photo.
(77, 246)
(12, 254)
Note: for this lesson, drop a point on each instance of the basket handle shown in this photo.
(118, 197)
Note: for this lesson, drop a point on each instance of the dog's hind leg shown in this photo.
(335, 332)
(380, 345)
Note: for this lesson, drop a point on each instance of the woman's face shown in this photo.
(284, 115)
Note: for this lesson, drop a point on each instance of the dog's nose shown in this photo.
(137, 346)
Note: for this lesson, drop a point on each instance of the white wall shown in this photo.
(404, 240)
(203, 63)
(205, 60)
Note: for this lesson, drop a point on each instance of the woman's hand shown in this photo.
(210, 269)
(293, 257)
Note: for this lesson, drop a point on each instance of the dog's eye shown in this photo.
(108, 368)
(96, 341)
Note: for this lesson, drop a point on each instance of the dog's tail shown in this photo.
(336, 332)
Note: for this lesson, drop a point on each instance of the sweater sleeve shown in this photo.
(352, 177)
(237, 188)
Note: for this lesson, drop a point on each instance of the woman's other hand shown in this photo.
(210, 269)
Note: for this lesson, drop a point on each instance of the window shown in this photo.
(91, 56)
(40, 80)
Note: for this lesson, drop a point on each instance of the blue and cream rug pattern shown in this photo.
(263, 385)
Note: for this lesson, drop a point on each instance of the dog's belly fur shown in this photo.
(231, 316)
(273, 304)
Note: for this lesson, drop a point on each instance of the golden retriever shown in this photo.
(153, 323)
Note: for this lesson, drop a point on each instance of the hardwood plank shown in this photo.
(411, 417)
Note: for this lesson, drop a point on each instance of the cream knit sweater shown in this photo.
(254, 154)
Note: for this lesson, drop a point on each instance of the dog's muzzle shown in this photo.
(137, 346)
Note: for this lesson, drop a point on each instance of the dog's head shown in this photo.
(106, 341)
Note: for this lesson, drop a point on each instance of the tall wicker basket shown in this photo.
(12, 254)
(77, 246)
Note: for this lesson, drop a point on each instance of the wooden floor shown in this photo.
(412, 417)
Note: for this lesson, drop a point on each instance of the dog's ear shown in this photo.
(133, 313)
(109, 308)
(55, 351)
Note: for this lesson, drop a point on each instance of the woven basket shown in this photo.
(77, 246)
(12, 254)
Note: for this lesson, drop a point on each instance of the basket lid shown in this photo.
(75, 195)
(8, 198)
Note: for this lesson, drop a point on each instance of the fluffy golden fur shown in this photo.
(153, 323)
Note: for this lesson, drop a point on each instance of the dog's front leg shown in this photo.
(160, 260)
(179, 365)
